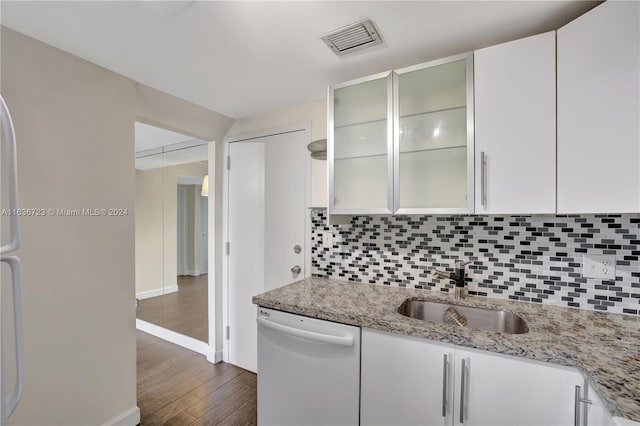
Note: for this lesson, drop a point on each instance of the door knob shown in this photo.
(296, 270)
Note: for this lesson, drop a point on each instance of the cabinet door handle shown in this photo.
(445, 382)
(578, 400)
(483, 179)
(463, 385)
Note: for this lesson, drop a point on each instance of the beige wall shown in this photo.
(316, 114)
(149, 230)
(75, 136)
(157, 194)
(75, 127)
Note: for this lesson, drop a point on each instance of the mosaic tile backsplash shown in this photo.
(528, 258)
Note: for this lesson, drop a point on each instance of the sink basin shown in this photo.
(494, 320)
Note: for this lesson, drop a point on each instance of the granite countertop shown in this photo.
(604, 347)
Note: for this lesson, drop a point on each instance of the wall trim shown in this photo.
(131, 417)
(178, 339)
(156, 292)
(189, 180)
(214, 357)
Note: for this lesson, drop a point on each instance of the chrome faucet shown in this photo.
(457, 276)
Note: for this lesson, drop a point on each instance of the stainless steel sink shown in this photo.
(494, 320)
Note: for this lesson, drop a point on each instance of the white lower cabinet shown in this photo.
(515, 86)
(404, 381)
(411, 381)
(497, 390)
(593, 412)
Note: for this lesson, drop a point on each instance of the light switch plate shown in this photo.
(599, 266)
(327, 239)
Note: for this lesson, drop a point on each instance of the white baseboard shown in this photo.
(193, 273)
(214, 357)
(179, 339)
(130, 417)
(156, 292)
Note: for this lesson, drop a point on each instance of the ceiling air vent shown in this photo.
(352, 38)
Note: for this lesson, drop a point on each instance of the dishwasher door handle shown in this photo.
(309, 335)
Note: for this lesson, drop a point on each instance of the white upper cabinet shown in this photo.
(360, 153)
(433, 109)
(515, 127)
(599, 111)
(402, 142)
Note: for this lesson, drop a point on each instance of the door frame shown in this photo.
(304, 127)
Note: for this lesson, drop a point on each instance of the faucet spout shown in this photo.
(441, 274)
(458, 277)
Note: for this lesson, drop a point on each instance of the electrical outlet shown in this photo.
(327, 239)
(599, 266)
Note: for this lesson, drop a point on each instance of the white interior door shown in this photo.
(266, 221)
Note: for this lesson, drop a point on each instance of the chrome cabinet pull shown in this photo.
(576, 407)
(483, 179)
(463, 385)
(445, 391)
(578, 400)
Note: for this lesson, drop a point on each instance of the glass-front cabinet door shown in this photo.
(433, 131)
(360, 150)
(402, 142)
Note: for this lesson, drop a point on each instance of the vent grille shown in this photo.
(352, 38)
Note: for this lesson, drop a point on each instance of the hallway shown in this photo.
(179, 387)
(184, 311)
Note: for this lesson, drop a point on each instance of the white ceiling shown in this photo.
(242, 58)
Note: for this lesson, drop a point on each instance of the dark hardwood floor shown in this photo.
(179, 387)
(184, 311)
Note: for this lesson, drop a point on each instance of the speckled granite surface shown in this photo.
(604, 347)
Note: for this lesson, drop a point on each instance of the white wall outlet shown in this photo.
(599, 266)
(327, 239)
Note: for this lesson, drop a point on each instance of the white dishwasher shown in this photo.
(308, 371)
